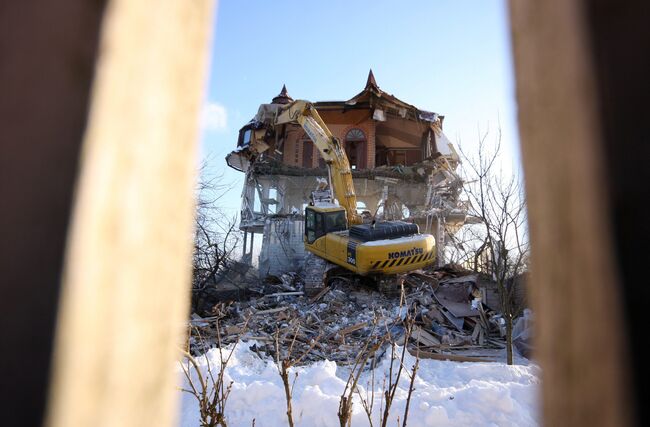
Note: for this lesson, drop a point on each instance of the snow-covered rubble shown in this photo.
(446, 393)
(347, 315)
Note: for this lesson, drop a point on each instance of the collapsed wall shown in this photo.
(403, 167)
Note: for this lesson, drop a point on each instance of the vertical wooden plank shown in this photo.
(575, 289)
(126, 279)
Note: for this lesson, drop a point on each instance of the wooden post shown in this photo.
(126, 282)
(575, 288)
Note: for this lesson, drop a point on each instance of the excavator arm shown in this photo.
(340, 174)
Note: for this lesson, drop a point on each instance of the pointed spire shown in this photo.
(283, 97)
(371, 83)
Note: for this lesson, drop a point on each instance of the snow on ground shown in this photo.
(446, 393)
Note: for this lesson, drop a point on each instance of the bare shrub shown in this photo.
(216, 236)
(211, 391)
(370, 347)
(285, 361)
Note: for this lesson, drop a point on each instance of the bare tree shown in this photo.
(462, 245)
(499, 243)
(216, 235)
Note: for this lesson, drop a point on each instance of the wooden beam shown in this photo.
(126, 281)
(413, 351)
(575, 291)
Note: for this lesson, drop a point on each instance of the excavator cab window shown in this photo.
(318, 224)
(313, 225)
(335, 221)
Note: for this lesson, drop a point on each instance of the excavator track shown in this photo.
(317, 271)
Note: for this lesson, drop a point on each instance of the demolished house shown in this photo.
(403, 167)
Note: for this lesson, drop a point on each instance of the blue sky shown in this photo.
(451, 57)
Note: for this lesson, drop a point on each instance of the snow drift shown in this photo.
(446, 393)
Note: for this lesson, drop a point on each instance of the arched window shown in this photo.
(354, 148)
(355, 135)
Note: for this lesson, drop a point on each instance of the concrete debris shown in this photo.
(344, 316)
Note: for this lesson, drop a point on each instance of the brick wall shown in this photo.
(293, 154)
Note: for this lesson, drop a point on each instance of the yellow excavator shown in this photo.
(336, 233)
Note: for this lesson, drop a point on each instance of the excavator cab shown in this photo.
(322, 220)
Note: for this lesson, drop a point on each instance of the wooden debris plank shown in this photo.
(307, 330)
(457, 322)
(434, 315)
(452, 357)
(284, 294)
(320, 294)
(497, 343)
(470, 321)
(432, 281)
(233, 330)
(353, 328)
(475, 333)
(348, 347)
(196, 319)
(272, 310)
(459, 347)
(260, 338)
(424, 337)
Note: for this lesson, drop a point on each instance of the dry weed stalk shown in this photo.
(351, 386)
(284, 364)
(414, 371)
(211, 393)
(390, 381)
(393, 381)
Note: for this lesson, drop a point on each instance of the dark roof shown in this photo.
(371, 83)
(370, 97)
(283, 97)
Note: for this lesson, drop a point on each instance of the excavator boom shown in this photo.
(340, 173)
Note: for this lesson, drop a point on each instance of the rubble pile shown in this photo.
(443, 310)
